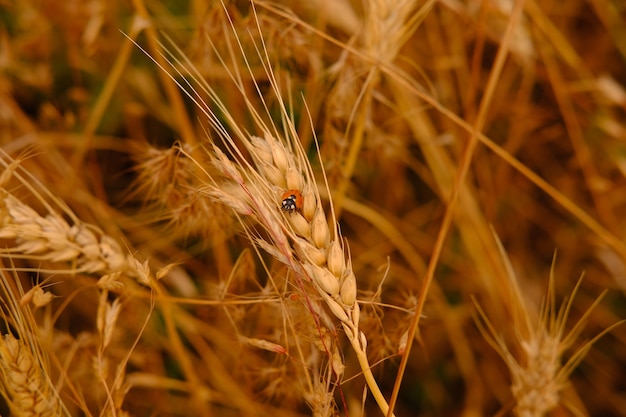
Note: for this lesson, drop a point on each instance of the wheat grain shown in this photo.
(108, 312)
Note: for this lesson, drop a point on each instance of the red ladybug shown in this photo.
(292, 201)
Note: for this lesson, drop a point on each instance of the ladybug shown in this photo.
(292, 201)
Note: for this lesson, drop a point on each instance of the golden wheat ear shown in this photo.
(24, 367)
(24, 383)
(57, 237)
(300, 239)
(539, 377)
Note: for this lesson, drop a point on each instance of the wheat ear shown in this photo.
(25, 387)
(24, 380)
(50, 237)
(538, 376)
(302, 239)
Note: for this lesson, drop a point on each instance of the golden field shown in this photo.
(326, 208)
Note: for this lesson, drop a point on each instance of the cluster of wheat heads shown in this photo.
(253, 310)
(305, 240)
(56, 243)
(314, 297)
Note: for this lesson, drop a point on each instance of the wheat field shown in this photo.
(322, 208)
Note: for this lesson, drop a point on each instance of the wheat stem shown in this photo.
(369, 377)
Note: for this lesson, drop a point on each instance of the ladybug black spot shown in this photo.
(289, 204)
